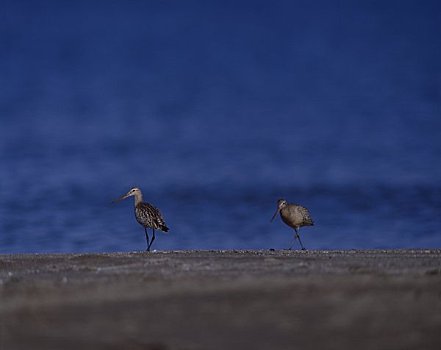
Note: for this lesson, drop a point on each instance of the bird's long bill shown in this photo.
(277, 212)
(124, 196)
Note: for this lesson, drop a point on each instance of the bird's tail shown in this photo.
(164, 228)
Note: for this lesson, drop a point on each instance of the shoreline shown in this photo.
(213, 299)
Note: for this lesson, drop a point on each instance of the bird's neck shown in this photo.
(138, 198)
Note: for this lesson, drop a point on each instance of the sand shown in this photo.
(374, 299)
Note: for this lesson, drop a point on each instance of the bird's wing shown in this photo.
(306, 215)
(157, 216)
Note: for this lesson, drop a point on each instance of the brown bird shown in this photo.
(295, 216)
(146, 214)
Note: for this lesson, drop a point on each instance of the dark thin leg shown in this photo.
(298, 237)
(147, 238)
(153, 238)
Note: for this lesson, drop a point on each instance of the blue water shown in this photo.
(216, 109)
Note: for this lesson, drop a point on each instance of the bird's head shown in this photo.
(281, 203)
(135, 191)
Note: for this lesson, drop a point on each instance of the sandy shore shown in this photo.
(222, 300)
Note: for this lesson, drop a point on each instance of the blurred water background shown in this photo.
(216, 109)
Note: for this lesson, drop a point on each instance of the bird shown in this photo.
(146, 214)
(295, 216)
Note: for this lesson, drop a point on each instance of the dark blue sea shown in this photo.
(216, 109)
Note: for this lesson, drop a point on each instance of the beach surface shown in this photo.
(376, 299)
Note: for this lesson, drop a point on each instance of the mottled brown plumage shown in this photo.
(295, 216)
(149, 216)
(146, 214)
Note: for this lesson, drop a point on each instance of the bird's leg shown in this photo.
(298, 237)
(147, 238)
(153, 238)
